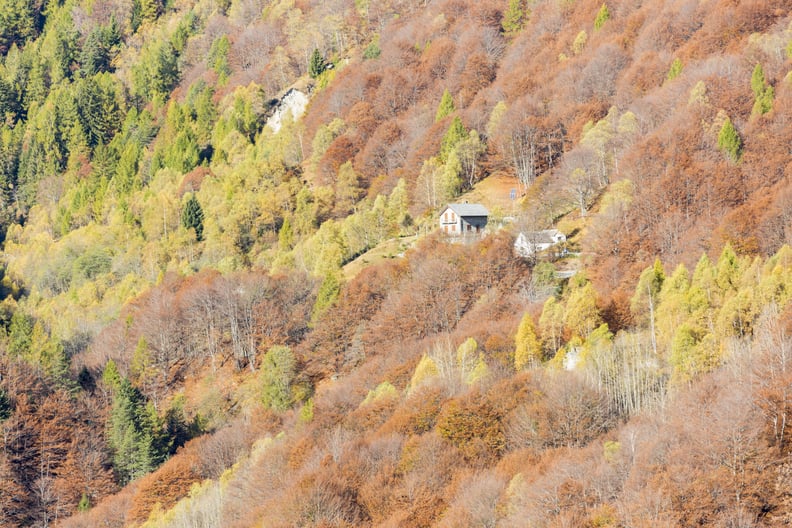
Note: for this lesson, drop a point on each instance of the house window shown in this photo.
(445, 217)
(453, 227)
(453, 217)
(469, 227)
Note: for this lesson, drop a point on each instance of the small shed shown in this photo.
(463, 219)
(532, 242)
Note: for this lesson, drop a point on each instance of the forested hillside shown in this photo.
(180, 344)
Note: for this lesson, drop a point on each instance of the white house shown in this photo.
(532, 242)
(463, 219)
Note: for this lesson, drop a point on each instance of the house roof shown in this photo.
(469, 209)
(546, 236)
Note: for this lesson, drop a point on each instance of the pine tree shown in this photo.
(193, 216)
(317, 64)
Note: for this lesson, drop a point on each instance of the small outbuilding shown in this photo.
(463, 219)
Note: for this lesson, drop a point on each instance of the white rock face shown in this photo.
(295, 102)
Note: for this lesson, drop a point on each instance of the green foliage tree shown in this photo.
(6, 407)
(145, 11)
(513, 18)
(327, 294)
(100, 48)
(218, 58)
(454, 135)
(157, 71)
(446, 106)
(528, 349)
(317, 64)
(277, 375)
(675, 70)
(85, 503)
(729, 141)
(20, 334)
(135, 434)
(99, 108)
(193, 216)
(763, 93)
(602, 16)
(110, 375)
(580, 42)
(373, 50)
(18, 22)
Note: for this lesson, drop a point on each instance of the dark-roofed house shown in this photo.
(463, 219)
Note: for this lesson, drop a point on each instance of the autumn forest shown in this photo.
(225, 300)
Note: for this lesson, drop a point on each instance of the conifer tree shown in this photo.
(455, 134)
(602, 16)
(446, 106)
(277, 374)
(729, 141)
(675, 70)
(6, 407)
(513, 18)
(763, 93)
(193, 216)
(317, 64)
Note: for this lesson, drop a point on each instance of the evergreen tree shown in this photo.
(218, 58)
(763, 93)
(277, 374)
(675, 70)
(602, 16)
(192, 216)
(455, 134)
(446, 106)
(729, 141)
(317, 64)
(6, 407)
(84, 504)
(513, 18)
(327, 294)
(20, 334)
(136, 434)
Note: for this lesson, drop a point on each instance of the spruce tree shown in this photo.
(5, 405)
(193, 217)
(317, 64)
